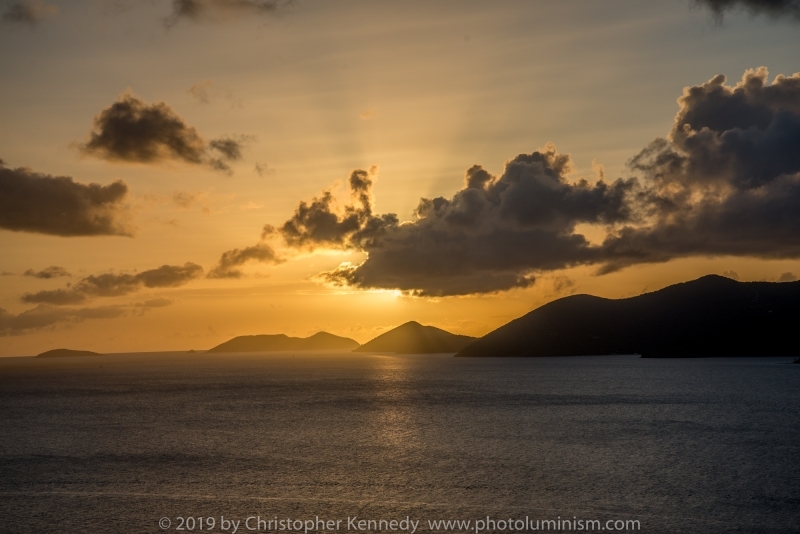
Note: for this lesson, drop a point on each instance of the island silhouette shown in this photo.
(282, 342)
(710, 316)
(64, 353)
(414, 338)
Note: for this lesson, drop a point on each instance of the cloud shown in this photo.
(57, 297)
(54, 271)
(725, 181)
(44, 315)
(185, 199)
(155, 303)
(141, 308)
(563, 285)
(226, 149)
(133, 131)
(30, 12)
(772, 8)
(220, 10)
(490, 236)
(264, 169)
(113, 285)
(250, 206)
(206, 91)
(228, 264)
(319, 224)
(57, 205)
(170, 275)
(201, 91)
(787, 277)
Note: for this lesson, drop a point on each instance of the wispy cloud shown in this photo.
(113, 285)
(221, 10)
(45, 315)
(773, 8)
(30, 12)
(54, 271)
(206, 92)
(230, 262)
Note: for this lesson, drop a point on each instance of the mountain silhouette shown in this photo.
(414, 338)
(276, 342)
(63, 353)
(710, 316)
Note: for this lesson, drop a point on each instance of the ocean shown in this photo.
(159, 442)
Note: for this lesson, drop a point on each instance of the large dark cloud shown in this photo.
(57, 205)
(217, 10)
(490, 236)
(131, 130)
(113, 285)
(45, 315)
(773, 8)
(29, 12)
(725, 181)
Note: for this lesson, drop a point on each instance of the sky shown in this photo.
(179, 172)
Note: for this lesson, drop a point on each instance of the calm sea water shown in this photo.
(112, 444)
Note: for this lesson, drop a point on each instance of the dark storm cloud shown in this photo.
(490, 236)
(773, 8)
(743, 136)
(216, 10)
(113, 285)
(30, 12)
(54, 271)
(726, 181)
(233, 259)
(57, 205)
(44, 316)
(133, 131)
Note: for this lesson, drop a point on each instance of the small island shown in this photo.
(66, 353)
(279, 342)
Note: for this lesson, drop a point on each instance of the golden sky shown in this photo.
(202, 121)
